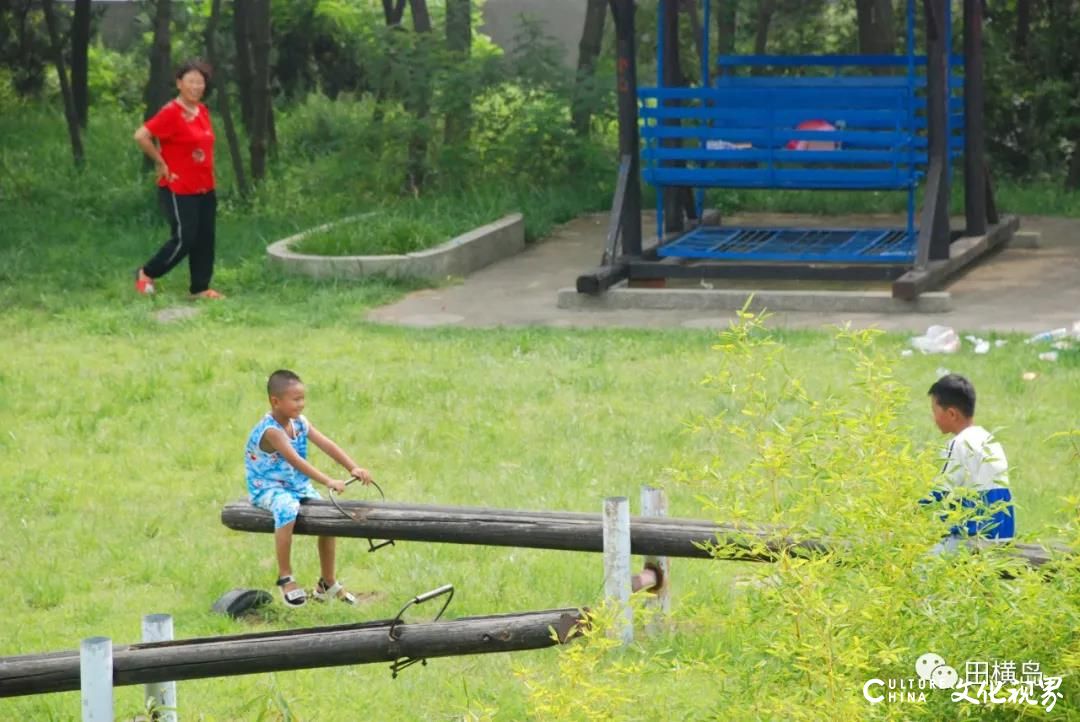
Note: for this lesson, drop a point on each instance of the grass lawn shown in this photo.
(124, 440)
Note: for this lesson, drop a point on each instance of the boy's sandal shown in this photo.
(335, 591)
(294, 597)
(209, 295)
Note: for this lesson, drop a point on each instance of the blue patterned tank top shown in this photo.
(266, 470)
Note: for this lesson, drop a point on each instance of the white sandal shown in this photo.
(294, 597)
(324, 593)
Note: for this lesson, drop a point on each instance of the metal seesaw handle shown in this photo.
(421, 598)
(372, 546)
(447, 589)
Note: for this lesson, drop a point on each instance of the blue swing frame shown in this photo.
(737, 131)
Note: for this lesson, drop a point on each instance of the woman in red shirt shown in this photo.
(183, 156)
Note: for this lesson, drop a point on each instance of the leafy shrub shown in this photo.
(115, 79)
(798, 639)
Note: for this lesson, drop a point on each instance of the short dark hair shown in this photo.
(197, 65)
(281, 380)
(956, 392)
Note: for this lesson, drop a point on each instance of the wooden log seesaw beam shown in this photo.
(341, 645)
(560, 530)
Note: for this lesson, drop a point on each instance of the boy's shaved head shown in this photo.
(281, 380)
(954, 391)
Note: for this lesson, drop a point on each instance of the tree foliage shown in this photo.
(798, 639)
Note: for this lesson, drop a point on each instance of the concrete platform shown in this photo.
(1015, 289)
(622, 297)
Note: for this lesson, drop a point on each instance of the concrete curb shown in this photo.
(621, 298)
(457, 257)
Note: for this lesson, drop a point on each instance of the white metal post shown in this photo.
(95, 679)
(617, 562)
(159, 628)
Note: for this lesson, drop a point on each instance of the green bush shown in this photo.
(799, 639)
(524, 133)
(115, 79)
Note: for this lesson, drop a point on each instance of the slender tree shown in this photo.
(80, 49)
(592, 37)
(877, 29)
(158, 86)
(418, 96)
(259, 16)
(65, 88)
(393, 11)
(221, 88)
(458, 43)
(726, 17)
(766, 10)
(1023, 29)
(243, 68)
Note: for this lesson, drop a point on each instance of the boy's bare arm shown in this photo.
(335, 452)
(280, 442)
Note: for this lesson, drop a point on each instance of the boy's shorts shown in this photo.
(284, 503)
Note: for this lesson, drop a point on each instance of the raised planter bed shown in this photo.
(457, 257)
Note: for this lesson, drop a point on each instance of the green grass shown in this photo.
(417, 224)
(124, 445)
(124, 438)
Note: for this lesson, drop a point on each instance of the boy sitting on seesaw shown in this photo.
(975, 473)
(279, 478)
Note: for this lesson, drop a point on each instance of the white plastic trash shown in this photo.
(1049, 356)
(981, 345)
(1049, 335)
(937, 339)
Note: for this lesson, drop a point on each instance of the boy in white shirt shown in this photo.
(975, 476)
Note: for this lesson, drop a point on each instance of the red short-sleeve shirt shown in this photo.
(187, 145)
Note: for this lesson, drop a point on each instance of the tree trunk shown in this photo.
(80, 48)
(243, 67)
(158, 88)
(221, 86)
(673, 77)
(393, 11)
(459, 42)
(877, 30)
(592, 38)
(271, 125)
(726, 15)
(259, 16)
(65, 89)
(418, 97)
(766, 10)
(690, 7)
(1072, 180)
(1023, 28)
